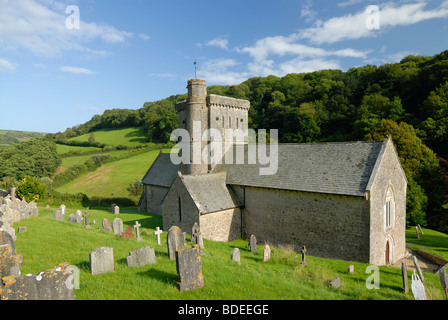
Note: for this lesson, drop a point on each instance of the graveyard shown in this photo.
(279, 274)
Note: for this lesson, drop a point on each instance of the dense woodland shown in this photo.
(407, 100)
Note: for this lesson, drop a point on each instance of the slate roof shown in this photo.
(162, 172)
(330, 168)
(210, 192)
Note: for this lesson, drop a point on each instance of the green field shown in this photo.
(63, 149)
(111, 179)
(128, 136)
(281, 278)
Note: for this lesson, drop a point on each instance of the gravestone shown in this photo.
(253, 243)
(303, 263)
(117, 226)
(199, 241)
(34, 211)
(50, 284)
(194, 231)
(137, 231)
(417, 287)
(175, 241)
(62, 208)
(351, 269)
(444, 280)
(22, 229)
(267, 253)
(7, 239)
(102, 260)
(336, 283)
(112, 207)
(404, 275)
(78, 216)
(189, 269)
(420, 228)
(141, 257)
(128, 234)
(71, 218)
(117, 210)
(58, 216)
(418, 234)
(417, 267)
(8, 261)
(85, 220)
(235, 255)
(106, 225)
(158, 232)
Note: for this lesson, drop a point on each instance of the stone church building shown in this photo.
(341, 200)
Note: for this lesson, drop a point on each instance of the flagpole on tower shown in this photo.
(195, 70)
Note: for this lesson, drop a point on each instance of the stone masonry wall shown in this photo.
(154, 196)
(221, 226)
(330, 226)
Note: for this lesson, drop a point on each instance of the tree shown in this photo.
(30, 189)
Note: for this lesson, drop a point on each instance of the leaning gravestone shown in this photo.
(141, 257)
(102, 260)
(106, 225)
(235, 255)
(253, 243)
(417, 287)
(51, 284)
(189, 269)
(117, 226)
(175, 241)
(58, 216)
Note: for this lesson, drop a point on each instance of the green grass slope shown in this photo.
(281, 278)
(127, 136)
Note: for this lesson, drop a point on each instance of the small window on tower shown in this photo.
(230, 122)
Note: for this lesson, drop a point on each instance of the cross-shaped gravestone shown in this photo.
(137, 230)
(8, 261)
(85, 220)
(158, 232)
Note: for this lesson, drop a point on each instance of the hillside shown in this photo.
(9, 137)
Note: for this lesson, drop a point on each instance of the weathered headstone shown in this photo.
(58, 215)
(253, 243)
(420, 228)
(194, 231)
(303, 263)
(117, 226)
(141, 257)
(106, 225)
(175, 241)
(7, 239)
(235, 255)
(336, 283)
(8, 261)
(78, 216)
(266, 253)
(117, 210)
(62, 208)
(71, 218)
(404, 274)
(137, 231)
(444, 281)
(417, 287)
(34, 211)
(85, 220)
(22, 229)
(418, 234)
(129, 233)
(157, 233)
(351, 269)
(417, 267)
(51, 284)
(200, 242)
(102, 260)
(189, 269)
(112, 207)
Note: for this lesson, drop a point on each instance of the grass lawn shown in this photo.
(48, 242)
(63, 149)
(431, 241)
(112, 179)
(126, 136)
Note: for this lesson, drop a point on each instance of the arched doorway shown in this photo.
(387, 252)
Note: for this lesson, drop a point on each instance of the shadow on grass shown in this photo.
(161, 276)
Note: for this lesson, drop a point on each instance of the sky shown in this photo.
(63, 61)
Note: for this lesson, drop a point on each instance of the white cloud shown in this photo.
(165, 75)
(77, 70)
(218, 42)
(217, 72)
(349, 3)
(144, 36)
(353, 26)
(7, 66)
(307, 13)
(40, 27)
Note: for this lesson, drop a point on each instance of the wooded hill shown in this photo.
(407, 100)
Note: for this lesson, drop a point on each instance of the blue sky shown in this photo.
(127, 52)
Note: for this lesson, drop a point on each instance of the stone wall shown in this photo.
(221, 226)
(154, 196)
(389, 175)
(329, 226)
